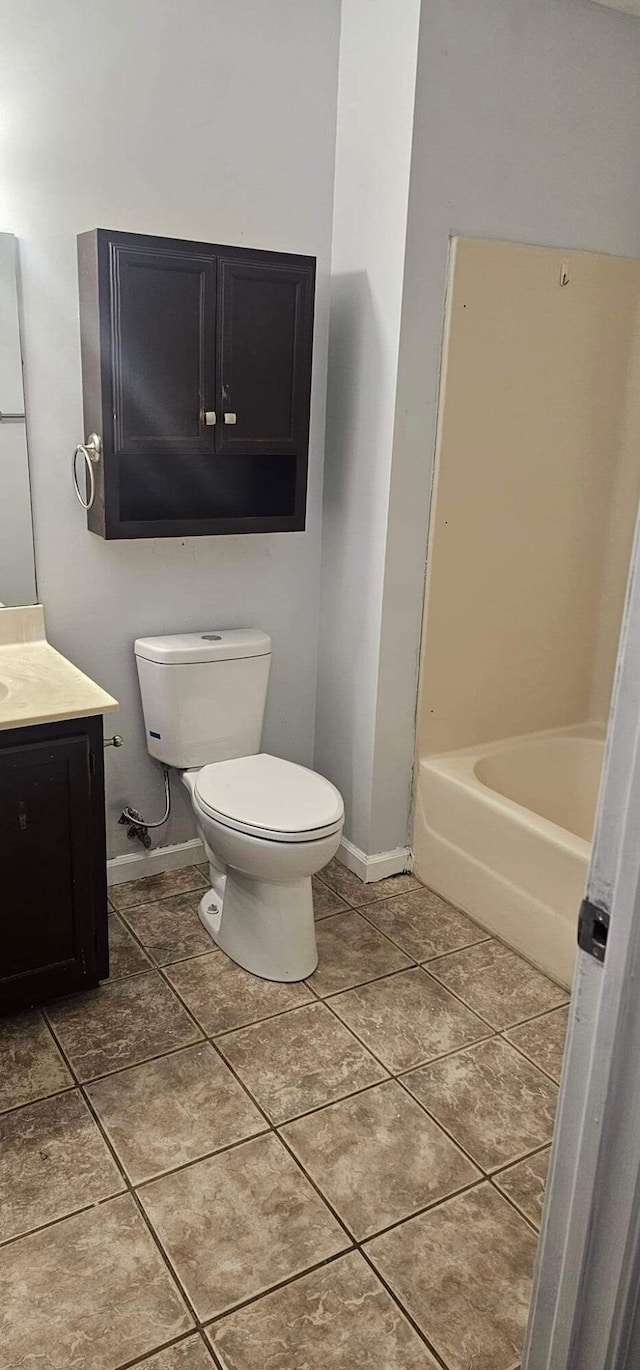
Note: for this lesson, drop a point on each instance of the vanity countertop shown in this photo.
(37, 684)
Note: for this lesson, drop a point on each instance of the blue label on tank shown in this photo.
(152, 734)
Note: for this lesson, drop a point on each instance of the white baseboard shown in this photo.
(135, 865)
(378, 866)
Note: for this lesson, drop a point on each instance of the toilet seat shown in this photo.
(267, 797)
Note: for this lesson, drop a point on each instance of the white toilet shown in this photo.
(267, 824)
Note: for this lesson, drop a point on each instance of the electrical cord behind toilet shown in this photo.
(138, 827)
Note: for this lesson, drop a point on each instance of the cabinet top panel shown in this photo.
(154, 243)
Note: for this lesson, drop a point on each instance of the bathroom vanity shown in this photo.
(53, 902)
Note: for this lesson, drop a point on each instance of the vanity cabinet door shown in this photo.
(51, 938)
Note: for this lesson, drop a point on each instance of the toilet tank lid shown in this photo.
(212, 644)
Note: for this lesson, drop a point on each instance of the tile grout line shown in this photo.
(414, 962)
(430, 1347)
(554, 1080)
(273, 1127)
(128, 1186)
(168, 1346)
(488, 936)
(398, 1076)
(367, 912)
(485, 1178)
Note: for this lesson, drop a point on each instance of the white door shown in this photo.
(587, 1286)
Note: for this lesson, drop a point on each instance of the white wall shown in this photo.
(378, 51)
(17, 564)
(526, 128)
(207, 119)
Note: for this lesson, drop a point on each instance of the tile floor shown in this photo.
(199, 1168)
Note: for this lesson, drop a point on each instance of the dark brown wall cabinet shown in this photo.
(196, 367)
(53, 908)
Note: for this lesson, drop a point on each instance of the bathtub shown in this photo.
(504, 832)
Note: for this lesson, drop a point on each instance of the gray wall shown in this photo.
(526, 128)
(205, 119)
(378, 54)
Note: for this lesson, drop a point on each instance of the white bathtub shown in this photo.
(504, 832)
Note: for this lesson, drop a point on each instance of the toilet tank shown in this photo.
(203, 694)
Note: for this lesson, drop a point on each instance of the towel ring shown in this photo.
(91, 451)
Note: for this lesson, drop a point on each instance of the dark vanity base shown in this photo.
(53, 886)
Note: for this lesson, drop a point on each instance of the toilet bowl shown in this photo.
(267, 824)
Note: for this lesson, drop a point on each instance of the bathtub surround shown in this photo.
(538, 480)
(301, 1197)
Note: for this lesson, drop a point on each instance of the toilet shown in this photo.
(267, 824)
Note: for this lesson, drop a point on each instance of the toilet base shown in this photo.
(265, 927)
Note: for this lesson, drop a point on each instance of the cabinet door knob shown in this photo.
(230, 418)
(210, 417)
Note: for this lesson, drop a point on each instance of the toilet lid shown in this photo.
(267, 797)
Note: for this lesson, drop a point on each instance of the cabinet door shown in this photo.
(162, 328)
(47, 926)
(265, 324)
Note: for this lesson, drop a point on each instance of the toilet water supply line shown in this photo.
(138, 826)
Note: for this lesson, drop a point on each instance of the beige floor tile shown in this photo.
(31, 1066)
(170, 929)
(407, 1019)
(238, 1223)
(356, 892)
(463, 1272)
(222, 996)
(299, 1061)
(497, 983)
(125, 956)
(53, 1161)
(423, 924)
(494, 1103)
(167, 1112)
(377, 1158)
(191, 1354)
(91, 1291)
(524, 1184)
(339, 1316)
(325, 900)
(542, 1040)
(350, 951)
(154, 887)
(119, 1025)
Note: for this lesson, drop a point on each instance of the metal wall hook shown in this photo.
(91, 450)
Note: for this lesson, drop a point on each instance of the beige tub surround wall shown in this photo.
(619, 530)
(531, 433)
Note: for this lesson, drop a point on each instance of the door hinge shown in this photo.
(593, 930)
